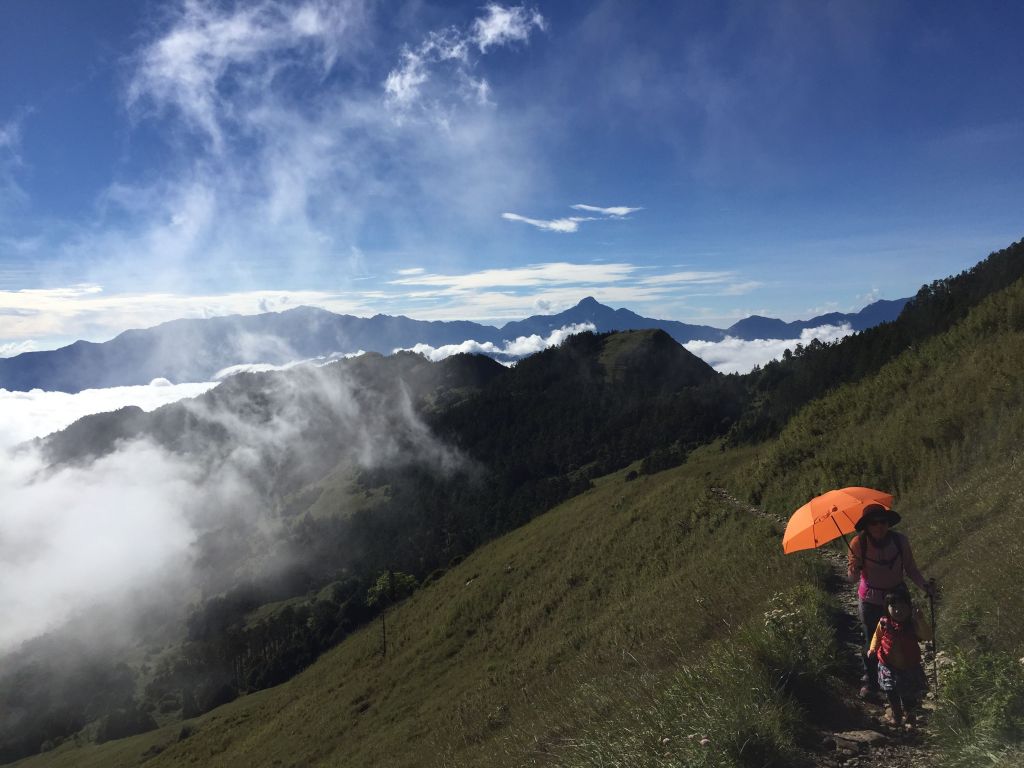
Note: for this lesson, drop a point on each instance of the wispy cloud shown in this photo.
(318, 362)
(88, 312)
(454, 48)
(185, 70)
(689, 277)
(572, 223)
(501, 26)
(522, 277)
(617, 211)
(11, 192)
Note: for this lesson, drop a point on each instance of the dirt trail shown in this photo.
(854, 732)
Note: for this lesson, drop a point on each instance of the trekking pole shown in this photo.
(935, 649)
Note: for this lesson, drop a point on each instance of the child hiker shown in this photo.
(895, 648)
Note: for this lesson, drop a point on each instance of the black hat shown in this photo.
(876, 512)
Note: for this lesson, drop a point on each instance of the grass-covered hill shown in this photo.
(654, 607)
(368, 465)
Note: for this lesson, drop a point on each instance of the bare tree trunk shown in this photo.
(383, 635)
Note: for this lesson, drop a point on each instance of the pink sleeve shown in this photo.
(853, 564)
(910, 565)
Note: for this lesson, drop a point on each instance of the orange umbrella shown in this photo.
(829, 516)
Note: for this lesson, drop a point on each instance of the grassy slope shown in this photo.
(531, 641)
(481, 660)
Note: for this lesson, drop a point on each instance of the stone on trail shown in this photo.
(859, 741)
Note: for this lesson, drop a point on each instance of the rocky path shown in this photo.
(853, 732)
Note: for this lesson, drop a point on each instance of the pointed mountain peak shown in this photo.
(588, 303)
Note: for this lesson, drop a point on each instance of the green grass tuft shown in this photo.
(980, 720)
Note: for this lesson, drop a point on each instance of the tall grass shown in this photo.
(980, 720)
(743, 702)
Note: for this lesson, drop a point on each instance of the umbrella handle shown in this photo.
(845, 540)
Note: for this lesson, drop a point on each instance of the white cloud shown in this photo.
(12, 348)
(505, 25)
(89, 312)
(521, 277)
(11, 192)
(499, 26)
(25, 415)
(571, 224)
(528, 345)
(186, 68)
(231, 370)
(70, 536)
(615, 212)
(519, 347)
(402, 85)
(688, 277)
(10, 134)
(733, 355)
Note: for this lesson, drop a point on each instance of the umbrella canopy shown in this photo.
(829, 516)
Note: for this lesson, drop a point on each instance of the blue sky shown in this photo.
(696, 161)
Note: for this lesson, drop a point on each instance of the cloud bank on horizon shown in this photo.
(732, 355)
(26, 415)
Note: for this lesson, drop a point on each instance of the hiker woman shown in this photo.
(879, 558)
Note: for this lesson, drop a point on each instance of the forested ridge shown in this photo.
(530, 438)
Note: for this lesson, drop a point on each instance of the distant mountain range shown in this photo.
(195, 350)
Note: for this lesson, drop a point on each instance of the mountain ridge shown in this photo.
(187, 349)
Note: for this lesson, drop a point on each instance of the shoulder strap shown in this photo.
(888, 563)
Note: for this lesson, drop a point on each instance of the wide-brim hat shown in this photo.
(876, 512)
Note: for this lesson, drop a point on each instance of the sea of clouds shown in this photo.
(24, 415)
(117, 530)
(741, 356)
(509, 352)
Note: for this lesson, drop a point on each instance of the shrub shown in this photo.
(125, 721)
